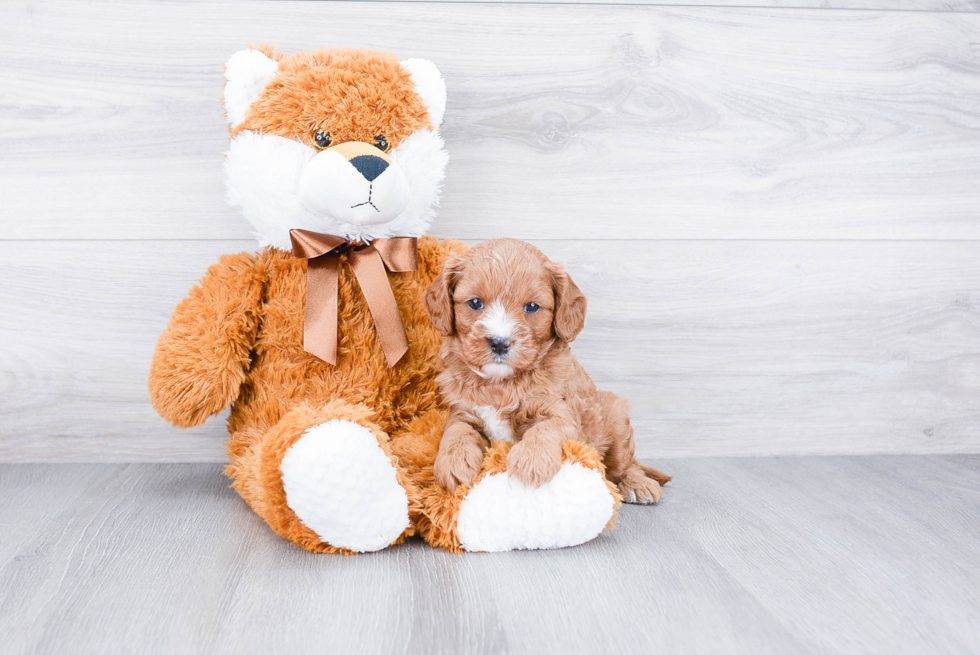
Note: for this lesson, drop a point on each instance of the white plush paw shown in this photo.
(342, 485)
(502, 513)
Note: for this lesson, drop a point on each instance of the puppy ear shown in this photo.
(569, 318)
(439, 296)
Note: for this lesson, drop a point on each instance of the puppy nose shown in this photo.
(369, 166)
(499, 346)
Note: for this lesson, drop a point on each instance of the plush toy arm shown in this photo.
(201, 357)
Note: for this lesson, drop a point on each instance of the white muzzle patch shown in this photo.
(281, 184)
(496, 323)
(352, 192)
(495, 371)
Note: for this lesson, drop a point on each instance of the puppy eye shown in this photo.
(475, 304)
(531, 308)
(382, 143)
(322, 139)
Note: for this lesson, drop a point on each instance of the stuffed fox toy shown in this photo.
(320, 342)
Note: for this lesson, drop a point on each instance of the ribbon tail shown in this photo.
(320, 329)
(369, 270)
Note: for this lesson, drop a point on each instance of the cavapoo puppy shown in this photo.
(508, 314)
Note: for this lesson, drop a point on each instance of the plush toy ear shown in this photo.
(439, 296)
(247, 72)
(570, 304)
(430, 85)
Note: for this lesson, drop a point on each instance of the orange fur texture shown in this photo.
(213, 353)
(355, 95)
(508, 315)
(237, 339)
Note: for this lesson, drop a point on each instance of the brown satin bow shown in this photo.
(322, 252)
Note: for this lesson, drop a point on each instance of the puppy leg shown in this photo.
(637, 483)
(460, 455)
(637, 488)
(661, 477)
(630, 476)
(536, 459)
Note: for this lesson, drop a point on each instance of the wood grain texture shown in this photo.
(769, 555)
(743, 347)
(616, 122)
(889, 5)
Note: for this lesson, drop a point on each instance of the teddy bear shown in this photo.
(320, 341)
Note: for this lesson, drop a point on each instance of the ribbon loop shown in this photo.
(398, 254)
(308, 244)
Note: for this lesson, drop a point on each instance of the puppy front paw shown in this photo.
(534, 463)
(638, 489)
(457, 464)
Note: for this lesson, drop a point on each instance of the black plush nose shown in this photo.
(369, 166)
(499, 346)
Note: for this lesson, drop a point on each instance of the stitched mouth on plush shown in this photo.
(355, 183)
(282, 184)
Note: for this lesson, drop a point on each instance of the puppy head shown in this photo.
(503, 305)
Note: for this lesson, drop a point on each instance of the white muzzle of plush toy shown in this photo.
(356, 183)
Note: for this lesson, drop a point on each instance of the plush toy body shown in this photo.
(334, 434)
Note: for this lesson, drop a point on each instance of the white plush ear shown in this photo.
(430, 85)
(247, 72)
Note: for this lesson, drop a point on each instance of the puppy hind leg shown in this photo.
(618, 455)
(638, 489)
(652, 473)
(637, 483)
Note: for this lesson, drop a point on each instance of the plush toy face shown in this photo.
(343, 142)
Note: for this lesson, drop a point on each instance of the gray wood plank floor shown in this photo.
(768, 555)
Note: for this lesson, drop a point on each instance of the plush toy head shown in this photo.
(338, 141)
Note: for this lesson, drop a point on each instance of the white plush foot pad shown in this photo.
(501, 513)
(342, 486)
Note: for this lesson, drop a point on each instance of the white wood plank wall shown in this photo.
(774, 210)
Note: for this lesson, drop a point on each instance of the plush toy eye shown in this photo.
(476, 304)
(531, 308)
(382, 143)
(322, 139)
